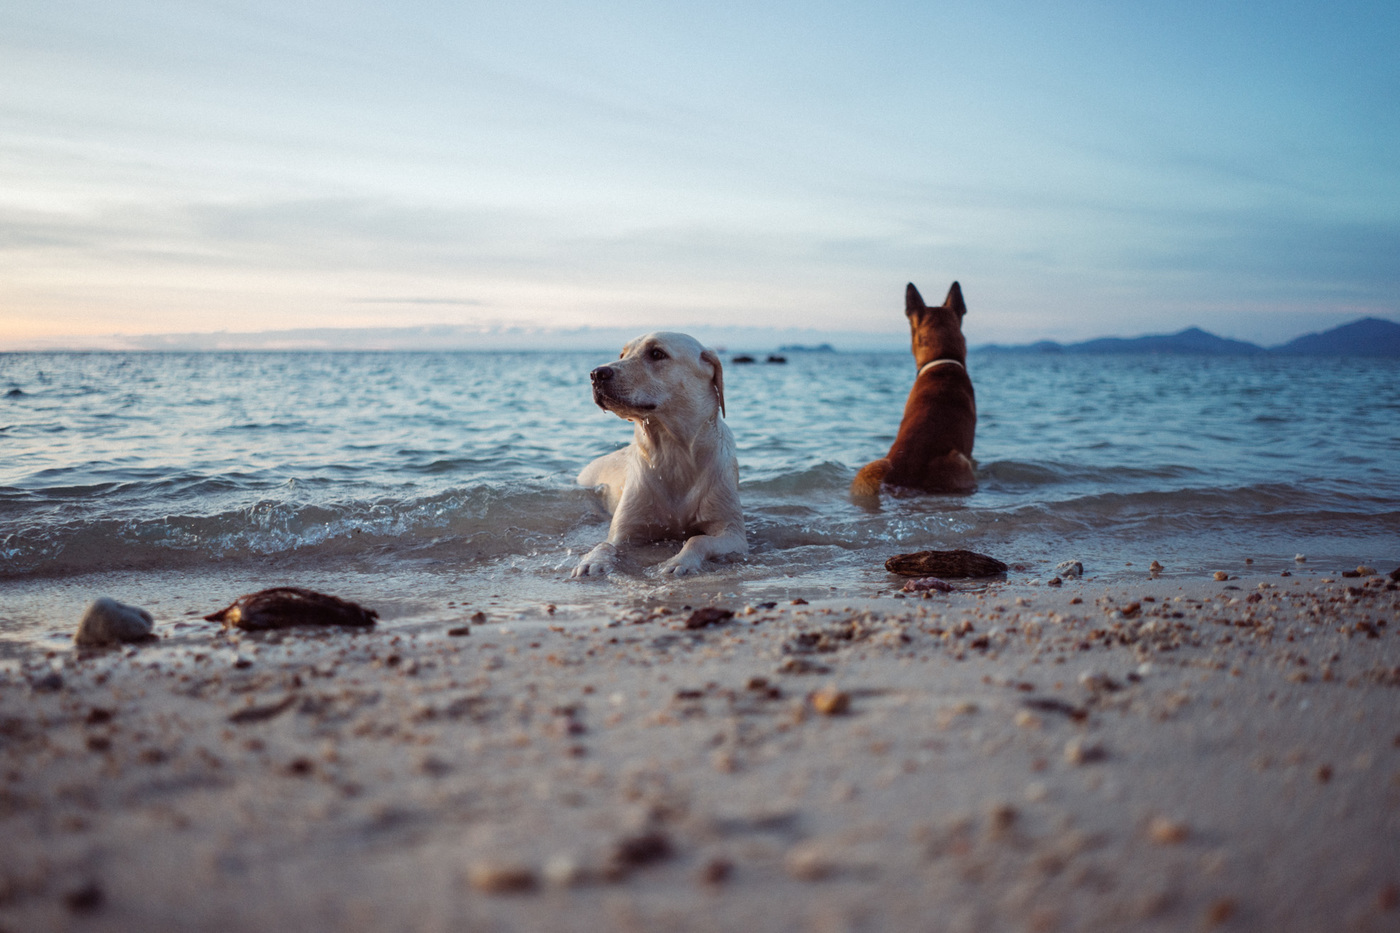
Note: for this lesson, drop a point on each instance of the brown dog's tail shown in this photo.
(866, 485)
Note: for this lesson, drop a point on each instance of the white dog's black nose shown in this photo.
(601, 374)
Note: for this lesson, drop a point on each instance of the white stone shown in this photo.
(107, 622)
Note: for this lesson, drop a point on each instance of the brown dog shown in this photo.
(933, 450)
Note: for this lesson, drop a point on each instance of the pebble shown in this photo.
(710, 615)
(1025, 719)
(642, 849)
(564, 871)
(923, 584)
(1155, 567)
(1098, 683)
(108, 622)
(85, 899)
(1081, 752)
(1220, 912)
(501, 877)
(717, 870)
(1168, 832)
(1070, 569)
(809, 861)
(1221, 575)
(830, 701)
(47, 683)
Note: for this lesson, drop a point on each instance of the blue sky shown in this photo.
(1083, 168)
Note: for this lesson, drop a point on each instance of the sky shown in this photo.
(1083, 169)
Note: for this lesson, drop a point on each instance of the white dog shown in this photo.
(678, 477)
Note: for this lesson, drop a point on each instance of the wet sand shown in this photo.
(1162, 755)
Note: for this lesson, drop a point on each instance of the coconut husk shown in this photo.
(945, 564)
(285, 606)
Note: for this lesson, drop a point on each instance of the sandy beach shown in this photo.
(1169, 754)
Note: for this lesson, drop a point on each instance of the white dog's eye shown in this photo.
(657, 353)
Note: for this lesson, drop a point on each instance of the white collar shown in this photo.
(932, 363)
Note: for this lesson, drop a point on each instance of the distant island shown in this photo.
(1367, 337)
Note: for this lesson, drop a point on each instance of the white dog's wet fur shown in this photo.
(679, 476)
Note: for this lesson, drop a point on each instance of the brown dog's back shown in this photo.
(933, 450)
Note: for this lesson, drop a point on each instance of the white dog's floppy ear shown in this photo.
(711, 357)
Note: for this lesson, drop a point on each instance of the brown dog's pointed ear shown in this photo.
(954, 300)
(711, 357)
(913, 301)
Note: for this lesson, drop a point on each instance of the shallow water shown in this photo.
(427, 474)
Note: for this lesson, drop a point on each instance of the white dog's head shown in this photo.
(665, 376)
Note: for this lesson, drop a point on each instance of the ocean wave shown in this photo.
(480, 523)
(818, 478)
(1203, 511)
(1022, 473)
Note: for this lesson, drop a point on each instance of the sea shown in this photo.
(432, 486)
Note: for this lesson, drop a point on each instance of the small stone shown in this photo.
(809, 861)
(501, 877)
(1001, 817)
(85, 899)
(564, 871)
(108, 622)
(47, 683)
(1300, 558)
(1364, 571)
(478, 618)
(1155, 567)
(642, 849)
(1099, 683)
(1221, 575)
(710, 615)
(1070, 569)
(926, 584)
(1168, 832)
(829, 701)
(1025, 719)
(716, 871)
(1078, 751)
(1054, 581)
(1220, 912)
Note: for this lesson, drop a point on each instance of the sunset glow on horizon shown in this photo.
(1083, 169)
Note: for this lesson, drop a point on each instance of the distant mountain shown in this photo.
(806, 348)
(1368, 337)
(1191, 340)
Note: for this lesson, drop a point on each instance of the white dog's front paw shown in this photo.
(681, 565)
(596, 563)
